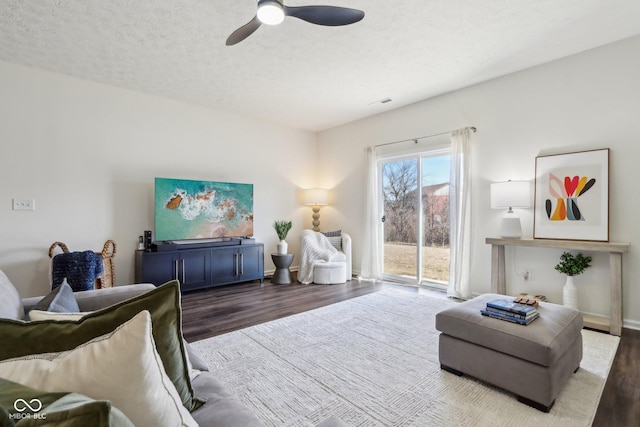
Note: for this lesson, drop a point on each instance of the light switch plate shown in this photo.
(24, 204)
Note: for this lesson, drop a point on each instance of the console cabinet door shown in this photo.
(194, 269)
(156, 267)
(252, 263)
(224, 265)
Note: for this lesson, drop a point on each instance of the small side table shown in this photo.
(282, 275)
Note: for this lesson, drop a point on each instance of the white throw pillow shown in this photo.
(123, 367)
(50, 315)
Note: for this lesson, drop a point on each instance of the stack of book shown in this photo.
(510, 311)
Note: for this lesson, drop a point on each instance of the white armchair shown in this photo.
(325, 259)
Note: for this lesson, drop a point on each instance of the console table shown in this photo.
(202, 265)
(613, 324)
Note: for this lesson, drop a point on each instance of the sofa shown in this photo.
(217, 407)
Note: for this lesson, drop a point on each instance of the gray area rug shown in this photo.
(373, 361)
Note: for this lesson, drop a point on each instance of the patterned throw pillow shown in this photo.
(335, 238)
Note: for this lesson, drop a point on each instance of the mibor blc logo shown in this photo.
(28, 409)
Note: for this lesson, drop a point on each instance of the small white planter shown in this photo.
(570, 294)
(282, 247)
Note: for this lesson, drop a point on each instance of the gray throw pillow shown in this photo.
(59, 300)
(10, 301)
(335, 238)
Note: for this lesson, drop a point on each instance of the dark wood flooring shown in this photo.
(620, 401)
(216, 311)
(224, 309)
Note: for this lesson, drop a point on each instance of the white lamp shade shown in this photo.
(510, 194)
(316, 197)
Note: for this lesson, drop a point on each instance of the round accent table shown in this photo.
(282, 275)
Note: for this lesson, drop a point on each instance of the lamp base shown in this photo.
(316, 217)
(510, 226)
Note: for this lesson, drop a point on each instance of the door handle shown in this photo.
(241, 264)
(235, 264)
(183, 275)
(176, 276)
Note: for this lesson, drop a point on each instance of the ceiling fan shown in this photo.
(273, 12)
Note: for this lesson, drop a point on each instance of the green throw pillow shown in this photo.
(10, 392)
(48, 336)
(23, 406)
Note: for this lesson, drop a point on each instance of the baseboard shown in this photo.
(626, 323)
(269, 273)
(631, 324)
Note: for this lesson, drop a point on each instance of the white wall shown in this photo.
(582, 102)
(88, 154)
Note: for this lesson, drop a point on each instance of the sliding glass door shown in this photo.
(435, 218)
(399, 189)
(415, 197)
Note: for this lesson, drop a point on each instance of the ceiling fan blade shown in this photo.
(325, 15)
(243, 32)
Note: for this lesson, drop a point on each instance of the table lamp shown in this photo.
(510, 194)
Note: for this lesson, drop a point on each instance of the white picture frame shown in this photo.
(572, 196)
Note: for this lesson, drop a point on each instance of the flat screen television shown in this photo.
(187, 210)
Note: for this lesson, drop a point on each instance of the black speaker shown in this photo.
(147, 240)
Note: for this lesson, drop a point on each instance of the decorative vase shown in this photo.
(282, 247)
(570, 294)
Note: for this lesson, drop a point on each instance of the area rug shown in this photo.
(373, 361)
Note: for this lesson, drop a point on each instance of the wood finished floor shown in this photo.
(224, 309)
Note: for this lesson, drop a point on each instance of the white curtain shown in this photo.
(460, 214)
(371, 264)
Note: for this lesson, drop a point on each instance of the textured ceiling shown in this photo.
(298, 74)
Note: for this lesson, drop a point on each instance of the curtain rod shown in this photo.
(421, 137)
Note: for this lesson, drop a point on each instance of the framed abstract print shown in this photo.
(572, 196)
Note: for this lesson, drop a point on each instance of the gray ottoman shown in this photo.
(534, 361)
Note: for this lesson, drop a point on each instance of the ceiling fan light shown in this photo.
(270, 12)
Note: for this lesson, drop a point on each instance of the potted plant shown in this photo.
(282, 229)
(572, 265)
